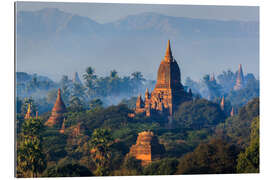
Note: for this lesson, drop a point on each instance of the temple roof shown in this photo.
(168, 73)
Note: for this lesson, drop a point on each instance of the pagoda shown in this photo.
(168, 93)
(240, 79)
(57, 115)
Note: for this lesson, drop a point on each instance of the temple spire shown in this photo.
(28, 113)
(168, 56)
(232, 112)
(222, 103)
(240, 79)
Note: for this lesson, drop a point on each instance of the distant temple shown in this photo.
(222, 104)
(168, 92)
(147, 148)
(76, 78)
(240, 82)
(58, 110)
(212, 77)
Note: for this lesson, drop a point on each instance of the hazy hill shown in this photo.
(53, 42)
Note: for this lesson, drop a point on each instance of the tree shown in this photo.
(213, 87)
(161, 167)
(133, 163)
(100, 143)
(68, 170)
(75, 104)
(215, 157)
(30, 158)
(90, 78)
(32, 103)
(198, 114)
(238, 126)
(227, 80)
(95, 104)
(249, 160)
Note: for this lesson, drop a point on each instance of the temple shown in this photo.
(168, 93)
(240, 79)
(58, 110)
(76, 78)
(147, 148)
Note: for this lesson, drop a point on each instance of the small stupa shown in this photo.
(58, 110)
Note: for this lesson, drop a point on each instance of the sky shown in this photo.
(103, 13)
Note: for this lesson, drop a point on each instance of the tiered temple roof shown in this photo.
(168, 93)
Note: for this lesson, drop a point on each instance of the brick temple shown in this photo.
(168, 93)
(57, 115)
(147, 148)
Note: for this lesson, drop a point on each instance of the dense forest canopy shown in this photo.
(203, 137)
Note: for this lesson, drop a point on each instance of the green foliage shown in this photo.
(100, 143)
(30, 158)
(216, 157)
(54, 144)
(248, 161)
(95, 104)
(238, 126)
(132, 163)
(161, 167)
(67, 170)
(198, 114)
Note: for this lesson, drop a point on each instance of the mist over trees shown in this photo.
(214, 89)
(203, 137)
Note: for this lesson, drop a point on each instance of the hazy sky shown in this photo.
(226, 53)
(103, 13)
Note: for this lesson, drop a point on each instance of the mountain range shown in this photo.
(53, 42)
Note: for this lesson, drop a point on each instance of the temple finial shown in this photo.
(168, 55)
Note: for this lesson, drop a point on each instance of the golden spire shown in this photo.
(222, 103)
(168, 56)
(28, 113)
(232, 112)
